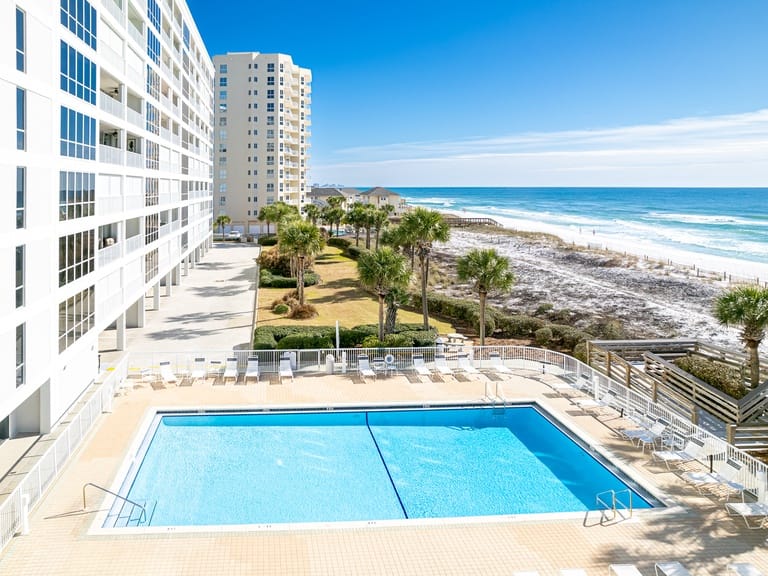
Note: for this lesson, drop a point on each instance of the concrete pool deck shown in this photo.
(700, 535)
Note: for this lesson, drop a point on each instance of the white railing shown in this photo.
(165, 134)
(109, 254)
(164, 230)
(134, 160)
(109, 104)
(113, 9)
(135, 118)
(108, 305)
(134, 202)
(111, 56)
(109, 205)
(176, 139)
(15, 509)
(136, 34)
(133, 243)
(136, 77)
(111, 155)
(133, 286)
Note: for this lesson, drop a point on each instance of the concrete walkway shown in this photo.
(212, 308)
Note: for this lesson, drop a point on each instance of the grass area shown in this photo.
(337, 297)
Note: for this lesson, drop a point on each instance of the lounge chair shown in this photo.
(623, 570)
(251, 369)
(743, 569)
(693, 450)
(497, 365)
(214, 370)
(441, 365)
(607, 401)
(755, 514)
(418, 365)
(725, 478)
(465, 365)
(198, 370)
(672, 568)
(166, 374)
(285, 370)
(230, 370)
(364, 367)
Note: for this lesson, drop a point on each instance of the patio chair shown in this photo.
(441, 365)
(364, 367)
(725, 478)
(693, 450)
(251, 369)
(607, 401)
(646, 436)
(743, 569)
(214, 370)
(418, 365)
(230, 370)
(285, 369)
(465, 365)
(624, 570)
(497, 365)
(673, 568)
(755, 514)
(198, 370)
(166, 374)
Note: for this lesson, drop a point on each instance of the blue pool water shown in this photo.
(272, 468)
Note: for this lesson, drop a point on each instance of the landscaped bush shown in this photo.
(263, 340)
(372, 342)
(458, 309)
(353, 252)
(518, 325)
(543, 336)
(269, 280)
(304, 342)
(398, 341)
(303, 312)
(420, 338)
(721, 376)
(342, 243)
(270, 240)
(281, 308)
(567, 337)
(269, 337)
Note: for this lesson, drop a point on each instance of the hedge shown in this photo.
(304, 341)
(342, 243)
(270, 240)
(269, 280)
(272, 337)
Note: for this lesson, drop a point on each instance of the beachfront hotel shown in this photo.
(262, 135)
(108, 142)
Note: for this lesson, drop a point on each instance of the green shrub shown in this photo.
(580, 352)
(281, 308)
(353, 252)
(398, 340)
(568, 337)
(372, 342)
(304, 342)
(270, 240)
(263, 340)
(342, 243)
(420, 338)
(543, 336)
(269, 280)
(367, 329)
(721, 376)
(518, 325)
(458, 309)
(303, 312)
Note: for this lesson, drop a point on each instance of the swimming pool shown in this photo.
(360, 465)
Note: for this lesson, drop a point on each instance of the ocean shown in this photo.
(704, 225)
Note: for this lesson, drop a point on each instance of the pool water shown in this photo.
(269, 468)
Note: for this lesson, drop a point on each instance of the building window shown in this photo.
(76, 256)
(78, 135)
(270, 67)
(223, 121)
(153, 83)
(152, 150)
(223, 81)
(77, 195)
(20, 354)
(80, 17)
(222, 94)
(153, 12)
(270, 80)
(151, 264)
(270, 120)
(270, 106)
(151, 228)
(21, 196)
(270, 133)
(21, 29)
(21, 119)
(153, 47)
(153, 119)
(20, 276)
(76, 317)
(151, 192)
(223, 68)
(78, 74)
(271, 94)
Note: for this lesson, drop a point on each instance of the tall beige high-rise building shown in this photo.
(262, 135)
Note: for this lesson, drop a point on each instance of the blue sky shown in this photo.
(521, 92)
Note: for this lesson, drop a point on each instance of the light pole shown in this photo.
(255, 295)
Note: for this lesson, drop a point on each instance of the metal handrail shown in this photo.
(143, 510)
(613, 507)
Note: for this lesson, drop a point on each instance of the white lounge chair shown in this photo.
(418, 365)
(230, 370)
(364, 367)
(285, 369)
(441, 365)
(497, 365)
(214, 370)
(743, 569)
(693, 450)
(465, 365)
(166, 374)
(251, 369)
(755, 514)
(725, 478)
(624, 570)
(607, 401)
(672, 568)
(198, 370)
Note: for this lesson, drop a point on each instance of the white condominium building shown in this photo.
(106, 137)
(262, 133)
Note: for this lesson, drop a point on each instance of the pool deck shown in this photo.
(697, 532)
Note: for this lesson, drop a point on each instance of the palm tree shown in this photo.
(221, 221)
(333, 215)
(747, 306)
(382, 271)
(284, 212)
(300, 240)
(420, 228)
(369, 221)
(489, 272)
(268, 214)
(381, 219)
(312, 212)
(396, 298)
(355, 217)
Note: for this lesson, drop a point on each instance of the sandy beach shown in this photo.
(651, 298)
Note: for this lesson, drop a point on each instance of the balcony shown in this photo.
(114, 9)
(110, 105)
(109, 205)
(134, 160)
(136, 34)
(136, 118)
(111, 155)
(134, 243)
(114, 59)
(108, 254)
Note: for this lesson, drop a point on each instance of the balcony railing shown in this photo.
(109, 254)
(111, 155)
(136, 34)
(114, 9)
(133, 243)
(135, 118)
(109, 104)
(134, 160)
(109, 205)
(111, 56)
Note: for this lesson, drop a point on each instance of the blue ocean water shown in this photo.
(724, 222)
(326, 467)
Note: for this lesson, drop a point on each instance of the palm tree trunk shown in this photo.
(357, 236)
(381, 317)
(754, 363)
(424, 263)
(391, 318)
(367, 238)
(377, 238)
(300, 280)
(482, 317)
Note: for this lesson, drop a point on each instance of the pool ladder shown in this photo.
(125, 500)
(611, 500)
